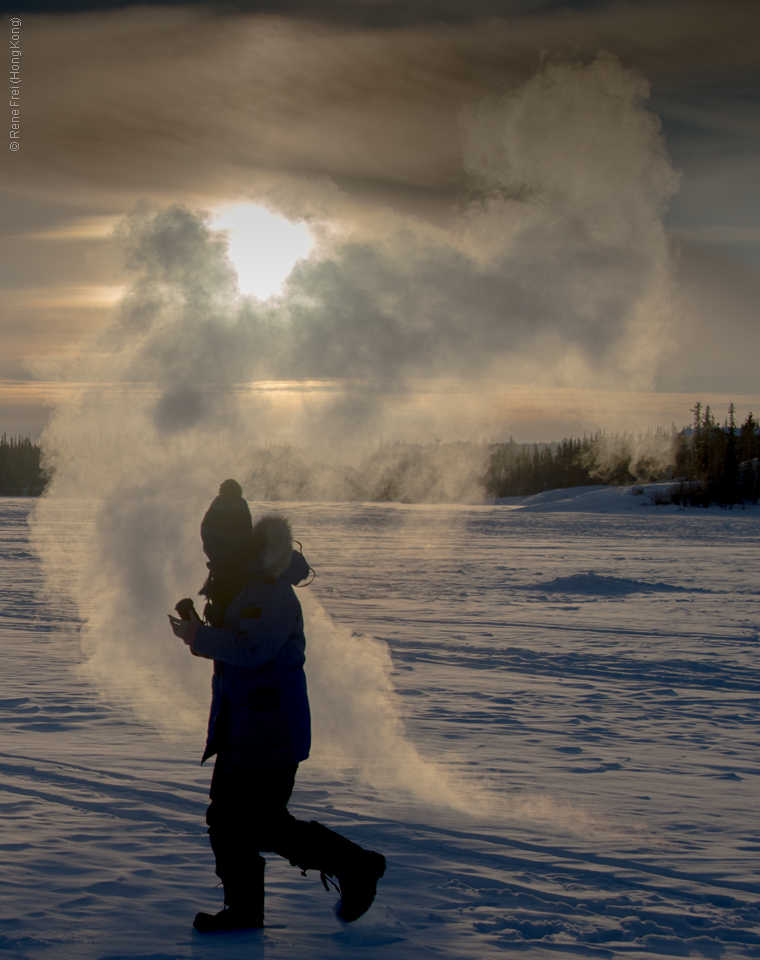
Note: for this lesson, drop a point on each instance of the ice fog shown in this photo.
(556, 268)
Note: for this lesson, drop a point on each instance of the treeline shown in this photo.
(717, 463)
(708, 463)
(522, 469)
(20, 471)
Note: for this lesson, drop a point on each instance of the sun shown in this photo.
(263, 247)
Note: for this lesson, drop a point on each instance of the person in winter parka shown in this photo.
(259, 724)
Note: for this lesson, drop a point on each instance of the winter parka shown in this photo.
(259, 707)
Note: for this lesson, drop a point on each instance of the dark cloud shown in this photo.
(365, 13)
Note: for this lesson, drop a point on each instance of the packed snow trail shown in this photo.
(604, 739)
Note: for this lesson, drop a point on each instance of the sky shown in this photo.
(527, 219)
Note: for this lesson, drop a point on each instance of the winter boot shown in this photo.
(356, 871)
(243, 904)
(357, 879)
(231, 918)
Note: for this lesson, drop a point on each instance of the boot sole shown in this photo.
(203, 923)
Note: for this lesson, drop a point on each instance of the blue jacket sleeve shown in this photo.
(255, 640)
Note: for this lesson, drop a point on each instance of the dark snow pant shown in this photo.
(248, 815)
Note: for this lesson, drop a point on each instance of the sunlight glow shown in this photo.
(263, 247)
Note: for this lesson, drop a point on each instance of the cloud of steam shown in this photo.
(556, 270)
(403, 472)
(357, 707)
(576, 179)
(643, 457)
(339, 664)
(126, 562)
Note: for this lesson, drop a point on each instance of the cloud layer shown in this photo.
(193, 100)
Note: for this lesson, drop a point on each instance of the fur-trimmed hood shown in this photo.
(273, 542)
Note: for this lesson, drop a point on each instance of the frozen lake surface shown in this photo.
(586, 682)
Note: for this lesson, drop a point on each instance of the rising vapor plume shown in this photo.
(555, 268)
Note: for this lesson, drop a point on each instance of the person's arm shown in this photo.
(258, 637)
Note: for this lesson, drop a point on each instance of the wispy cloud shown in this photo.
(66, 297)
(77, 228)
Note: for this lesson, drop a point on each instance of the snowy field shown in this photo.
(579, 674)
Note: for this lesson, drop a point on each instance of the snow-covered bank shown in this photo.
(603, 499)
(589, 683)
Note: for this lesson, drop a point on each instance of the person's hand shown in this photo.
(180, 627)
(186, 630)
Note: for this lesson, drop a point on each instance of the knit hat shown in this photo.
(227, 530)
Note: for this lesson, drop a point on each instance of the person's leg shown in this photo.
(312, 846)
(229, 831)
(245, 806)
(248, 814)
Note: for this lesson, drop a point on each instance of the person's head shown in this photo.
(227, 529)
(230, 490)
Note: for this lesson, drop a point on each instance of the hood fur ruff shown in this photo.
(275, 556)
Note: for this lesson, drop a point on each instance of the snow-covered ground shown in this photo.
(580, 681)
